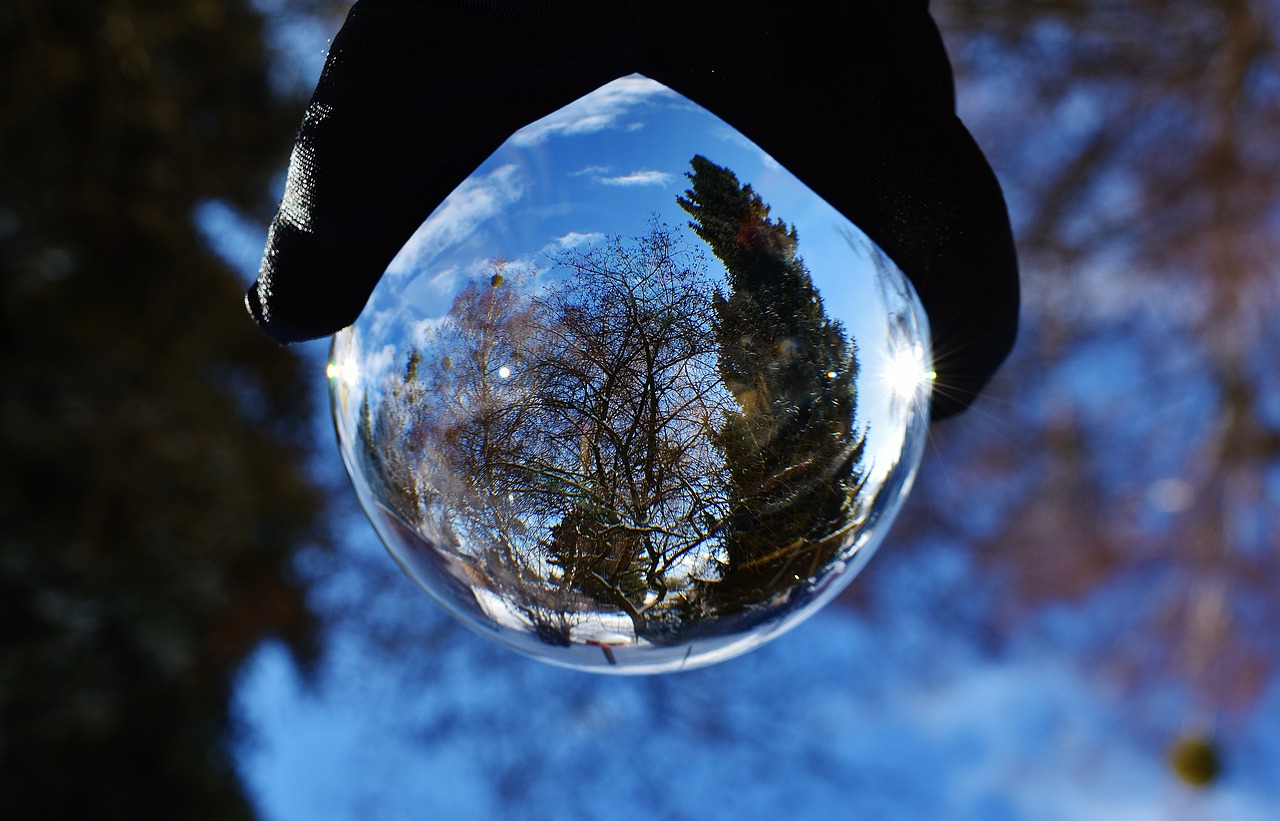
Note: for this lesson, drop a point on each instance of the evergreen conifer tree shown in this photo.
(790, 447)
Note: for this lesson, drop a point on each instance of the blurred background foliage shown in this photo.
(1113, 500)
(1136, 432)
(154, 490)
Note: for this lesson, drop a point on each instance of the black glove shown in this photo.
(856, 100)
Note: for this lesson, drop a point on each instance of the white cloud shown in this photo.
(645, 177)
(445, 281)
(425, 328)
(381, 322)
(478, 199)
(379, 364)
(573, 239)
(601, 109)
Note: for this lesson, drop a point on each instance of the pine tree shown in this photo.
(790, 446)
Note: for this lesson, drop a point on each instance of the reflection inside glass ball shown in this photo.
(633, 398)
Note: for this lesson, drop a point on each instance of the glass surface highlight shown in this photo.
(633, 399)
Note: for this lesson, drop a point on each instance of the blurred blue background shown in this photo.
(1074, 617)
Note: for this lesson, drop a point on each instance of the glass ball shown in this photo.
(633, 399)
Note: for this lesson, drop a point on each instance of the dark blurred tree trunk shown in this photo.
(153, 492)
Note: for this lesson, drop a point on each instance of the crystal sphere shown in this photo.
(633, 399)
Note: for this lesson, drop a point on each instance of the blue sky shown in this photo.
(841, 718)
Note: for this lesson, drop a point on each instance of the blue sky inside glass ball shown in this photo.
(610, 164)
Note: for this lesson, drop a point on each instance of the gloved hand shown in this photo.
(854, 99)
